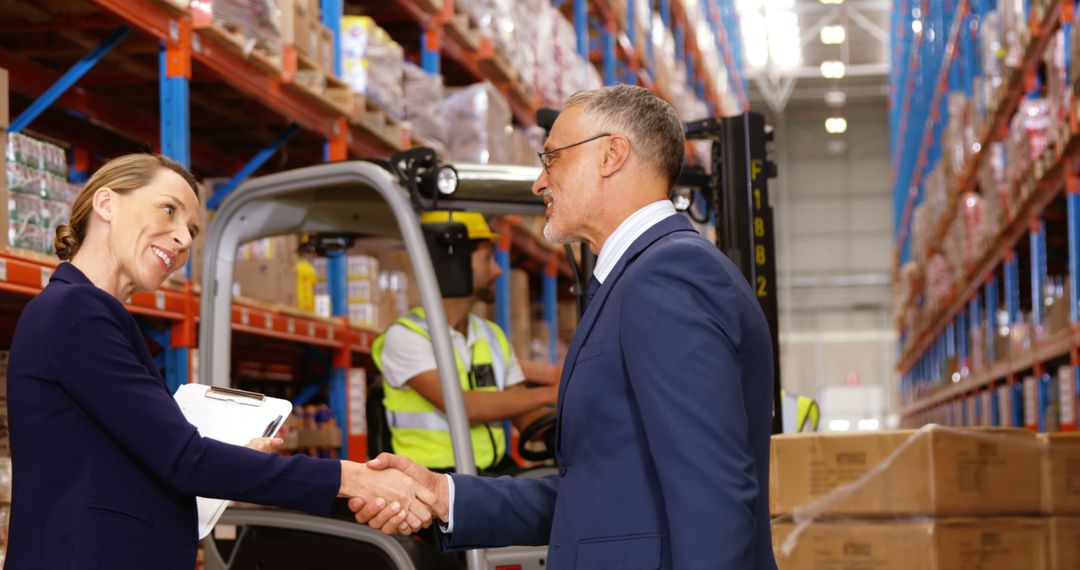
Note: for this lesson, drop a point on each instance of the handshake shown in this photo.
(389, 493)
(394, 494)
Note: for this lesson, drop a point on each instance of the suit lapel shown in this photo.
(666, 226)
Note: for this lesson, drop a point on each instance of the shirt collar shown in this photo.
(628, 231)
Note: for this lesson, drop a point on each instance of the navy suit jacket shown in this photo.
(106, 468)
(664, 411)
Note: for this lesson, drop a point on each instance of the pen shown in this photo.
(269, 431)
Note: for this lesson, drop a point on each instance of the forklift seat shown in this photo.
(378, 428)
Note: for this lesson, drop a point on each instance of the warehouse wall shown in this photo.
(834, 248)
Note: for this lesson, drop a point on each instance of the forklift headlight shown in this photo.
(682, 197)
(446, 180)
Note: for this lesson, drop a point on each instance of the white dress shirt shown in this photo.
(632, 228)
(612, 251)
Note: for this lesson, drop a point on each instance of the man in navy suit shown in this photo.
(666, 395)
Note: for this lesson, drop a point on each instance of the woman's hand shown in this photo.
(266, 444)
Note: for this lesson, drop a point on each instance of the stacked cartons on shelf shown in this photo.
(933, 499)
(479, 125)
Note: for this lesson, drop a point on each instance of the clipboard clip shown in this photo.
(234, 395)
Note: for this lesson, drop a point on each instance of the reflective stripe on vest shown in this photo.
(418, 429)
(800, 413)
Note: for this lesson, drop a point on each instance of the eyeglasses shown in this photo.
(546, 158)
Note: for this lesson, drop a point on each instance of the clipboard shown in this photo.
(230, 416)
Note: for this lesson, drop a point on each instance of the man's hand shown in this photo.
(266, 444)
(405, 501)
(376, 514)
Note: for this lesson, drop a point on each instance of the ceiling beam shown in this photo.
(807, 72)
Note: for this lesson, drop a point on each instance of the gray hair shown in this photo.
(650, 123)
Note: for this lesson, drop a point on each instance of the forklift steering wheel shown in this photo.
(541, 429)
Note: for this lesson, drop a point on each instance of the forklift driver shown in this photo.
(491, 378)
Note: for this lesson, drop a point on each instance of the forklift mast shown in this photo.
(736, 190)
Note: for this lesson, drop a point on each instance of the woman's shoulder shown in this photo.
(62, 298)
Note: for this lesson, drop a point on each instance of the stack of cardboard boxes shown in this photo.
(933, 499)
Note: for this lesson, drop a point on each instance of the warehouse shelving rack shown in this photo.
(192, 66)
(970, 396)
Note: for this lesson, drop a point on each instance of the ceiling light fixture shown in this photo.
(832, 69)
(833, 35)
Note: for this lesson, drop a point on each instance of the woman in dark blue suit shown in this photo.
(106, 468)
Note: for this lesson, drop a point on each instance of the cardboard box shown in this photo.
(1064, 541)
(5, 116)
(927, 544)
(935, 471)
(272, 281)
(325, 53)
(1060, 469)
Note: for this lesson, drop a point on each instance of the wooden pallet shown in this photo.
(322, 87)
(235, 41)
(464, 30)
(175, 7)
(371, 119)
(430, 6)
(496, 67)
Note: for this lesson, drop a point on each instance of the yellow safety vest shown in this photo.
(418, 429)
(798, 412)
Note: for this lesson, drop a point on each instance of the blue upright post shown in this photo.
(581, 28)
(430, 42)
(962, 337)
(69, 78)
(551, 307)
(1012, 287)
(1073, 203)
(680, 43)
(502, 283)
(336, 265)
(974, 321)
(631, 30)
(337, 283)
(991, 319)
(174, 61)
(610, 77)
(649, 49)
(1038, 271)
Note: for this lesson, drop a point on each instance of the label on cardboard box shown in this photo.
(1067, 395)
(1031, 400)
(928, 544)
(933, 471)
(1060, 469)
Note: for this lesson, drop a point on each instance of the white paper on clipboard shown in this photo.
(231, 416)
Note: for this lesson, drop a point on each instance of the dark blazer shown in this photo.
(106, 468)
(664, 420)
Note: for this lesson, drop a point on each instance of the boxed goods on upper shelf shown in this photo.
(478, 119)
(423, 105)
(258, 21)
(373, 64)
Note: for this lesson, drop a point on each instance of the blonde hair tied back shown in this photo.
(122, 175)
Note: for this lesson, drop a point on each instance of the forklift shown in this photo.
(381, 198)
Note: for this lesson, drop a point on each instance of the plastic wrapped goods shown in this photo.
(258, 20)
(479, 125)
(423, 104)
(373, 64)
